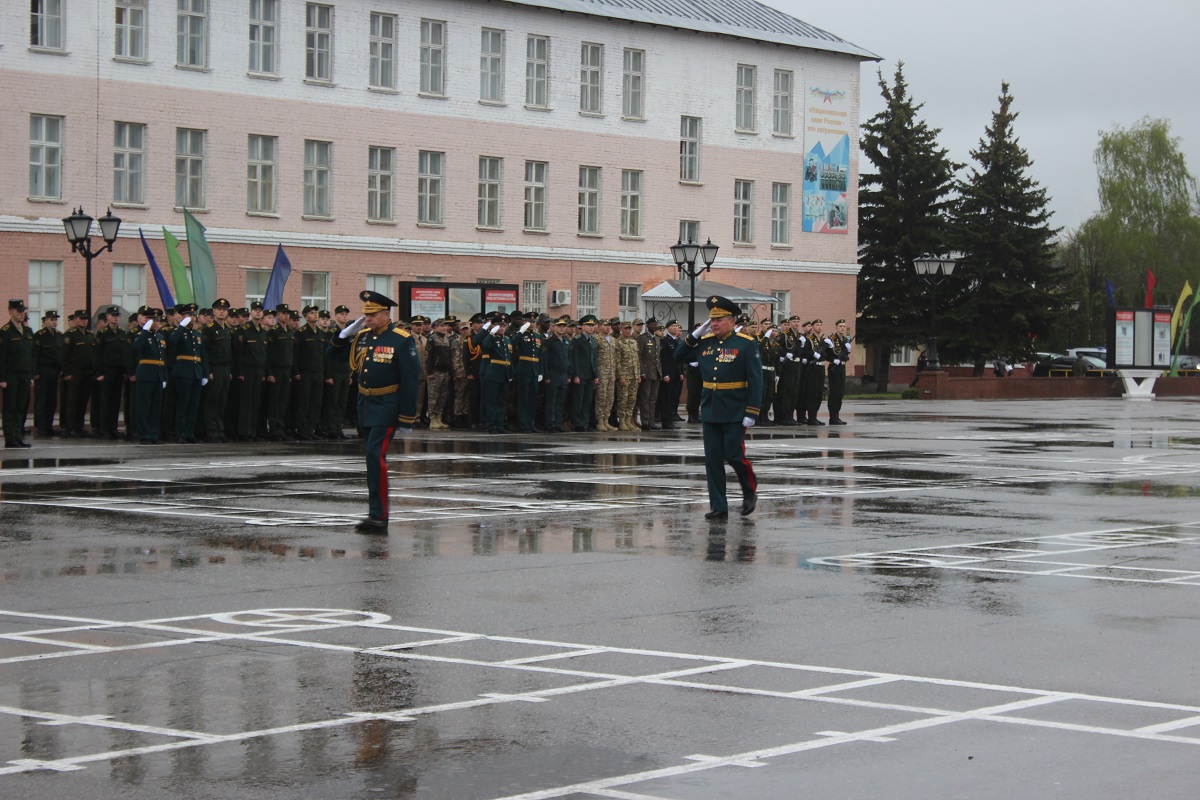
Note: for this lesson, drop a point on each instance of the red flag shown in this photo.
(1150, 289)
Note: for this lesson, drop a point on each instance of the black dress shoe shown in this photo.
(749, 504)
(371, 525)
(837, 422)
(21, 443)
(717, 515)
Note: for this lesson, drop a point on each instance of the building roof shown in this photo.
(745, 19)
(674, 290)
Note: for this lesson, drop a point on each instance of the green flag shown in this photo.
(1183, 326)
(1176, 317)
(204, 271)
(179, 276)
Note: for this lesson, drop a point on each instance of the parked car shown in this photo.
(1183, 362)
(1094, 352)
(1064, 365)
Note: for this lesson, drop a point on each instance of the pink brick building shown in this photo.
(561, 146)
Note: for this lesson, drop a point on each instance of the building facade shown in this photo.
(561, 146)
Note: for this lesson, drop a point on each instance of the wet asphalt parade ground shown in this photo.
(939, 600)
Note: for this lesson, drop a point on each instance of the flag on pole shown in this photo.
(164, 291)
(1150, 289)
(179, 276)
(204, 270)
(1112, 298)
(279, 276)
(1183, 326)
(1177, 315)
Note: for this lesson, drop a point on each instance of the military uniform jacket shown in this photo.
(730, 374)
(497, 354)
(148, 353)
(670, 367)
(816, 349)
(218, 344)
(527, 347)
(112, 349)
(840, 349)
(555, 360)
(389, 373)
(249, 348)
(439, 354)
(281, 347)
(337, 359)
(79, 353)
(649, 349)
(473, 353)
(771, 351)
(310, 351)
(606, 359)
(16, 350)
(583, 358)
(189, 354)
(791, 342)
(47, 351)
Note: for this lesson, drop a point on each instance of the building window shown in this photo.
(537, 71)
(381, 284)
(318, 42)
(381, 173)
(783, 304)
(264, 36)
(781, 213)
(430, 170)
(46, 24)
(191, 32)
(46, 157)
(314, 289)
(783, 102)
(383, 51)
(591, 58)
(490, 171)
(746, 79)
(589, 299)
(589, 200)
(317, 157)
(189, 168)
(129, 285)
(632, 77)
(689, 230)
(130, 31)
(903, 356)
(533, 296)
(256, 285)
(129, 154)
(631, 202)
(45, 288)
(433, 57)
(536, 173)
(743, 212)
(491, 66)
(260, 174)
(628, 296)
(689, 149)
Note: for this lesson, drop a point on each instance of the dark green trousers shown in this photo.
(725, 443)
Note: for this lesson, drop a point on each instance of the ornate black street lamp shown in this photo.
(933, 270)
(79, 233)
(685, 255)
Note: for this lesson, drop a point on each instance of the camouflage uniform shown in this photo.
(438, 363)
(628, 369)
(606, 360)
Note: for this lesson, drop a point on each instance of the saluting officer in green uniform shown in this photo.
(731, 373)
(16, 373)
(218, 348)
(47, 367)
(384, 357)
(150, 376)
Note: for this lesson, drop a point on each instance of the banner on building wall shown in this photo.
(502, 300)
(428, 302)
(827, 130)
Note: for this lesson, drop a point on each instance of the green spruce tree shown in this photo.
(1007, 288)
(903, 209)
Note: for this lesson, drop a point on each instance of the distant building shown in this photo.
(560, 147)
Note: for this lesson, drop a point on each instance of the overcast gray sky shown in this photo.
(1074, 69)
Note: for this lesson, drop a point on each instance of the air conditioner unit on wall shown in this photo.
(560, 297)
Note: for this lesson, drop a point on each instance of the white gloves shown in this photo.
(747, 422)
(525, 327)
(703, 329)
(837, 362)
(164, 384)
(204, 381)
(539, 378)
(789, 356)
(804, 361)
(149, 322)
(693, 364)
(816, 356)
(738, 329)
(353, 328)
(185, 322)
(770, 333)
(829, 342)
(849, 347)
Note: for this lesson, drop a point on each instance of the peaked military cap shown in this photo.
(476, 318)
(588, 319)
(308, 309)
(256, 305)
(16, 305)
(205, 312)
(342, 310)
(615, 321)
(374, 302)
(132, 317)
(721, 307)
(563, 320)
(221, 302)
(50, 315)
(282, 308)
(145, 311)
(181, 308)
(638, 322)
(323, 314)
(670, 322)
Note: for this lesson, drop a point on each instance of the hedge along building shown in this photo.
(558, 146)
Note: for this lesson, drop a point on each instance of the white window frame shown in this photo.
(743, 212)
(785, 81)
(587, 296)
(46, 137)
(314, 289)
(263, 34)
(491, 177)
(45, 295)
(537, 71)
(318, 42)
(689, 230)
(631, 203)
(633, 79)
(746, 97)
(783, 304)
(904, 355)
(629, 297)
(191, 34)
(191, 145)
(431, 189)
(381, 284)
(129, 285)
(781, 214)
(491, 65)
(589, 199)
(129, 30)
(46, 28)
(381, 182)
(537, 179)
(689, 149)
(591, 78)
(382, 45)
(433, 57)
(318, 179)
(129, 163)
(533, 296)
(260, 173)
(256, 285)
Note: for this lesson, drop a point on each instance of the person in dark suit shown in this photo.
(672, 376)
(384, 359)
(497, 371)
(556, 362)
(149, 376)
(189, 373)
(585, 374)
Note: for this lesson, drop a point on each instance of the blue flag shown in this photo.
(164, 291)
(279, 277)
(1108, 286)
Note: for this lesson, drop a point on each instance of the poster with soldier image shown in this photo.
(827, 126)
